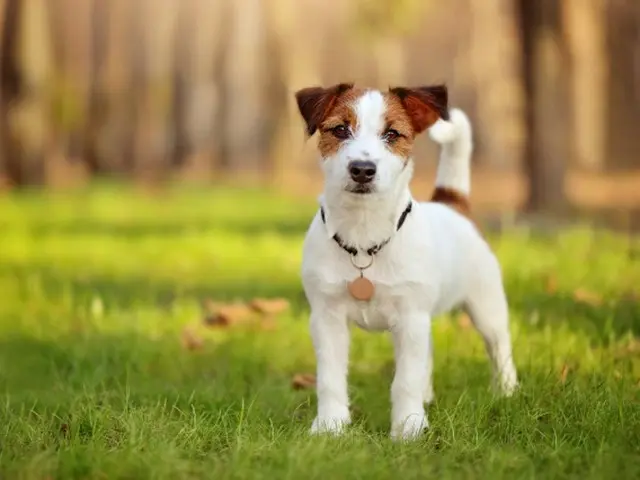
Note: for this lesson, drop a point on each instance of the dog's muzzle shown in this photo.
(362, 172)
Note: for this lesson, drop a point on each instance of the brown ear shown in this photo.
(315, 103)
(424, 105)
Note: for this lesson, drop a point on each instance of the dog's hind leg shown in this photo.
(489, 312)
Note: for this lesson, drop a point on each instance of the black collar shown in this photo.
(376, 248)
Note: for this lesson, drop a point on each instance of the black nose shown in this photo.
(362, 171)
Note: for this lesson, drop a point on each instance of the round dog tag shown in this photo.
(361, 289)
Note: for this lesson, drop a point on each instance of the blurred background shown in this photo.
(158, 91)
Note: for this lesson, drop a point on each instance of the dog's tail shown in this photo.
(453, 177)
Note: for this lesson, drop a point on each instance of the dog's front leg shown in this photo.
(330, 334)
(411, 341)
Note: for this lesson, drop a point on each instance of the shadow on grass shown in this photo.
(602, 322)
(128, 291)
(295, 227)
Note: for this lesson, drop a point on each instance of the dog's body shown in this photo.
(432, 261)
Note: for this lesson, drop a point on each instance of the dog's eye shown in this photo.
(390, 135)
(341, 132)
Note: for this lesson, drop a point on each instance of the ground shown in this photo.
(100, 286)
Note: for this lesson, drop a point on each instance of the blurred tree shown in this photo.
(29, 118)
(244, 93)
(153, 86)
(199, 41)
(70, 89)
(495, 56)
(548, 112)
(298, 43)
(10, 87)
(623, 96)
(114, 126)
(585, 24)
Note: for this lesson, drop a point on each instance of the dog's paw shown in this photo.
(507, 389)
(409, 427)
(333, 424)
(507, 385)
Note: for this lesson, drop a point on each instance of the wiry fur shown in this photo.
(435, 262)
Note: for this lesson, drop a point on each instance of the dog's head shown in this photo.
(366, 136)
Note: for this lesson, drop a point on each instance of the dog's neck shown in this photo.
(365, 220)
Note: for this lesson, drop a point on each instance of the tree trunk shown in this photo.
(30, 117)
(299, 45)
(585, 24)
(623, 119)
(197, 96)
(153, 87)
(548, 108)
(10, 86)
(114, 144)
(244, 128)
(495, 57)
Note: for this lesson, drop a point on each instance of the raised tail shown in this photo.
(453, 177)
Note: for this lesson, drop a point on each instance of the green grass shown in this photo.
(96, 288)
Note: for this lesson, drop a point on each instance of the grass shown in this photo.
(97, 287)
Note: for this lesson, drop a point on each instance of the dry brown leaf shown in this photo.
(564, 373)
(269, 306)
(229, 315)
(586, 296)
(303, 381)
(191, 340)
(268, 324)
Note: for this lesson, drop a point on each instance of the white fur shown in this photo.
(435, 262)
(456, 140)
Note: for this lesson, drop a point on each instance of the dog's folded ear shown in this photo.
(315, 103)
(424, 105)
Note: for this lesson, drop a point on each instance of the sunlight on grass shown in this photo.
(97, 287)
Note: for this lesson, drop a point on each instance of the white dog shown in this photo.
(376, 257)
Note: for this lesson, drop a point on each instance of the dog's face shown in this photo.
(366, 136)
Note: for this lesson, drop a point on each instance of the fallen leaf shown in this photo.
(303, 381)
(228, 315)
(268, 324)
(191, 340)
(210, 306)
(588, 297)
(269, 306)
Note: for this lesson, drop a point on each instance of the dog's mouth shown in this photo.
(360, 189)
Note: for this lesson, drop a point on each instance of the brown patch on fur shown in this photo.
(453, 199)
(315, 103)
(424, 105)
(398, 119)
(325, 108)
(341, 113)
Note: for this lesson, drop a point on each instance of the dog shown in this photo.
(375, 257)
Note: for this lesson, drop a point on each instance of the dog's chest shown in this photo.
(379, 313)
(397, 287)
